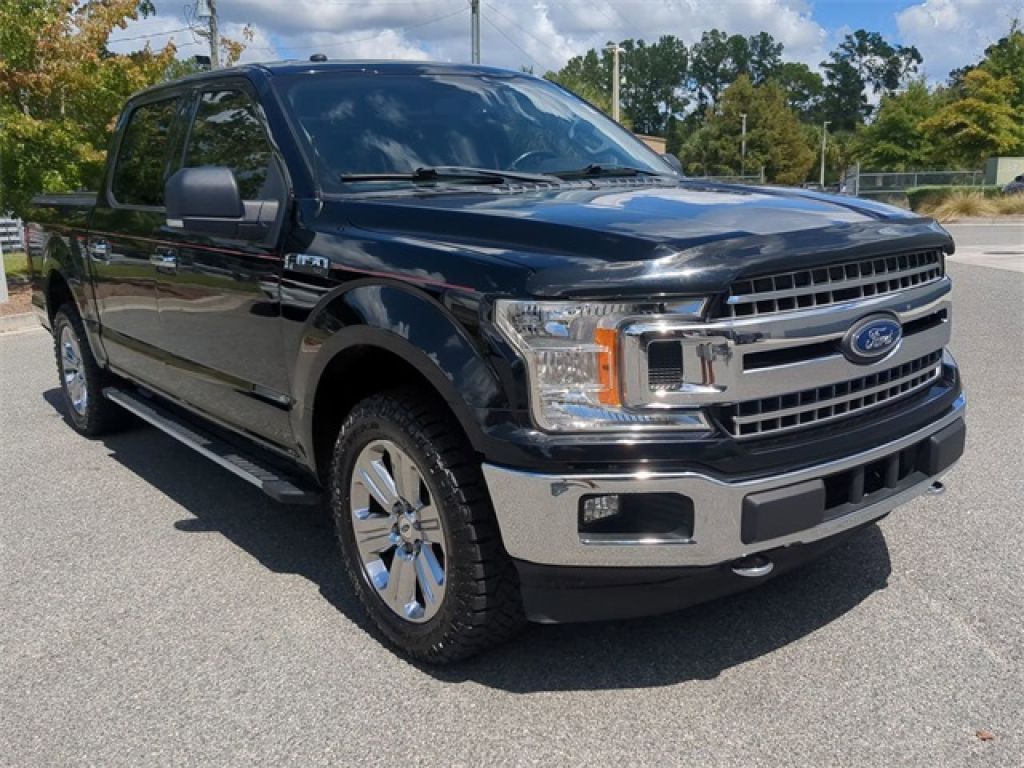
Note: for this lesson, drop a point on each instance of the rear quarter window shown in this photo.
(141, 166)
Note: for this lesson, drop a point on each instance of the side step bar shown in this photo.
(273, 483)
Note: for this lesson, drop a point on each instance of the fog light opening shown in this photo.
(635, 517)
(595, 508)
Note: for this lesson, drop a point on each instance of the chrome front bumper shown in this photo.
(538, 513)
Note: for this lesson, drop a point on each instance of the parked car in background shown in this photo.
(1015, 187)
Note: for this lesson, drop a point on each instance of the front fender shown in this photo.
(411, 324)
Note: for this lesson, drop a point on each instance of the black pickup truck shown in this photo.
(538, 373)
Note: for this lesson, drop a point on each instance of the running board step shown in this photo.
(273, 483)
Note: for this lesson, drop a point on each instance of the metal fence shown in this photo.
(755, 179)
(857, 182)
(11, 234)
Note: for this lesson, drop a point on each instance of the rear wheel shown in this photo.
(81, 378)
(418, 536)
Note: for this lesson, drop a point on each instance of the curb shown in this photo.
(19, 322)
(986, 220)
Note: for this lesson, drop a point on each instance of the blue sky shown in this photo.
(544, 34)
(875, 15)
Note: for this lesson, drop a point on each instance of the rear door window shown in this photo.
(228, 132)
(142, 158)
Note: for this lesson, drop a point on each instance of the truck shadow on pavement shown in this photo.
(696, 644)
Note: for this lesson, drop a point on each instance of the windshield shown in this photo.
(364, 124)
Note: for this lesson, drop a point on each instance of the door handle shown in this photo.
(165, 261)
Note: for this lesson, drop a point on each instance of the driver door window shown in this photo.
(227, 131)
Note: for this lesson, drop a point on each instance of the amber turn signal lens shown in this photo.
(608, 366)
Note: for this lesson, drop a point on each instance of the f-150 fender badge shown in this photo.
(307, 263)
(872, 338)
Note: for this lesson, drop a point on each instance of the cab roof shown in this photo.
(369, 66)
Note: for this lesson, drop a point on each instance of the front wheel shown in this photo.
(418, 536)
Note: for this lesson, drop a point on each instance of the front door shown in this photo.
(218, 297)
(123, 241)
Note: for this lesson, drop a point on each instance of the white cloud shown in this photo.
(952, 33)
(539, 33)
(544, 34)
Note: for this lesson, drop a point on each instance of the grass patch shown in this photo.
(1010, 205)
(16, 264)
(959, 205)
(924, 197)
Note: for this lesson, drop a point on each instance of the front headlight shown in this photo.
(571, 351)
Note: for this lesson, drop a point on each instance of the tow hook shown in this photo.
(936, 488)
(753, 567)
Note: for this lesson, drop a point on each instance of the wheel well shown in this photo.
(354, 375)
(57, 293)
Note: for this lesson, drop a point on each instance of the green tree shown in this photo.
(864, 59)
(587, 77)
(710, 67)
(765, 57)
(775, 138)
(803, 87)
(61, 90)
(717, 59)
(653, 76)
(651, 91)
(1005, 59)
(895, 140)
(980, 124)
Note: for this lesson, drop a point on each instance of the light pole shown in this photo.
(615, 50)
(824, 137)
(743, 147)
(474, 30)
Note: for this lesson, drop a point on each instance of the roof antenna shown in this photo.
(318, 57)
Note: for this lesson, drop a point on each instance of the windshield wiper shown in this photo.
(453, 173)
(595, 170)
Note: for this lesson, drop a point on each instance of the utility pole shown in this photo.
(615, 50)
(474, 29)
(824, 140)
(206, 11)
(743, 147)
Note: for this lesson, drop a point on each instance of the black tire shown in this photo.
(95, 415)
(481, 606)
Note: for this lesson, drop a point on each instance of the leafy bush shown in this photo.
(930, 196)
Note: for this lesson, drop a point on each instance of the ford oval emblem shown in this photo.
(872, 338)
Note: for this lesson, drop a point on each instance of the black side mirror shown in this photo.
(206, 201)
(674, 161)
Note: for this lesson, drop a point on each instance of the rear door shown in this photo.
(124, 235)
(218, 296)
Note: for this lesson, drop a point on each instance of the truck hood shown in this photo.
(612, 239)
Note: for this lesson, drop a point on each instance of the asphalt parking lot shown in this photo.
(157, 611)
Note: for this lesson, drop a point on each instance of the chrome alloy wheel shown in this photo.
(72, 370)
(398, 531)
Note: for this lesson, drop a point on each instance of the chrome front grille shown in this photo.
(831, 284)
(810, 407)
(784, 371)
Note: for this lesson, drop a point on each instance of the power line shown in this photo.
(146, 37)
(610, 6)
(520, 27)
(501, 32)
